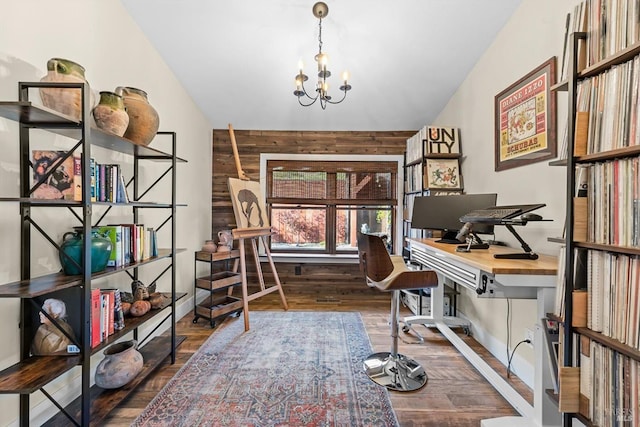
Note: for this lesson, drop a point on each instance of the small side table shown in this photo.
(218, 304)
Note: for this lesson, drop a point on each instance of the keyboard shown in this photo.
(486, 215)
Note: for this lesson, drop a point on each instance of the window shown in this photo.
(318, 206)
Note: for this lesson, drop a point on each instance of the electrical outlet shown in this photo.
(528, 335)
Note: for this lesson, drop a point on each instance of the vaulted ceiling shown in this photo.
(238, 59)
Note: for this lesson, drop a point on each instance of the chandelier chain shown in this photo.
(320, 36)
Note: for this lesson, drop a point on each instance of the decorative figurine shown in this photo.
(49, 338)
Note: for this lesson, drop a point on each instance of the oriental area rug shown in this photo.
(290, 369)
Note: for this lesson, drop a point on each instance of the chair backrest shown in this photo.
(375, 261)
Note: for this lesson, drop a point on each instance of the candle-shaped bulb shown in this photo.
(320, 59)
(300, 65)
(345, 76)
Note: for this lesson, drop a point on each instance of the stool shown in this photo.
(390, 274)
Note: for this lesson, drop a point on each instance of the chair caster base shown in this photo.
(398, 373)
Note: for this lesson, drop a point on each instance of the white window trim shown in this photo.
(399, 159)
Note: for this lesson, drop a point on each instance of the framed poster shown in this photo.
(442, 174)
(525, 119)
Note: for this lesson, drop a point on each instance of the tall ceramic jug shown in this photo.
(66, 101)
(143, 118)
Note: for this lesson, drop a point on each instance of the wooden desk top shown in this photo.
(483, 259)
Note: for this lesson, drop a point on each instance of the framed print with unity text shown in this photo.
(525, 119)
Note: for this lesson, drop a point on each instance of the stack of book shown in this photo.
(130, 243)
(106, 314)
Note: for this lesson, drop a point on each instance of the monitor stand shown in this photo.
(527, 254)
(450, 238)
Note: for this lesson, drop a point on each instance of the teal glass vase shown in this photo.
(72, 244)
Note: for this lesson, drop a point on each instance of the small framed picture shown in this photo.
(442, 174)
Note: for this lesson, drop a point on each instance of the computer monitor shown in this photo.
(444, 212)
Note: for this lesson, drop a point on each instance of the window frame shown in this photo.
(396, 213)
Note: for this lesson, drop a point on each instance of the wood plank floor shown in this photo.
(455, 396)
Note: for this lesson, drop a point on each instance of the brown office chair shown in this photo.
(390, 274)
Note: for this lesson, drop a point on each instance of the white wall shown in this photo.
(102, 37)
(533, 35)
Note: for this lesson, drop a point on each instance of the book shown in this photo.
(147, 242)
(118, 314)
(54, 173)
(111, 232)
(123, 195)
(126, 238)
(153, 242)
(93, 174)
(104, 302)
(110, 311)
(77, 178)
(560, 284)
(95, 317)
(102, 186)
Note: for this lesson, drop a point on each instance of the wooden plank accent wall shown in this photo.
(251, 143)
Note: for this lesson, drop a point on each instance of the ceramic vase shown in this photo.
(110, 114)
(72, 244)
(209, 246)
(66, 101)
(121, 363)
(143, 118)
(225, 240)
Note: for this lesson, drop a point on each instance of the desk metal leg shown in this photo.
(544, 411)
(503, 387)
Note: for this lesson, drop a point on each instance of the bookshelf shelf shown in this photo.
(41, 117)
(556, 240)
(559, 162)
(562, 86)
(553, 395)
(31, 288)
(609, 155)
(33, 373)
(615, 59)
(105, 400)
(610, 342)
(608, 248)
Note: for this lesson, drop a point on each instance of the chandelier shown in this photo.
(320, 10)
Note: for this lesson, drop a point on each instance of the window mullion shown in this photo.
(331, 229)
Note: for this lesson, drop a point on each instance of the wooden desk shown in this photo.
(489, 277)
